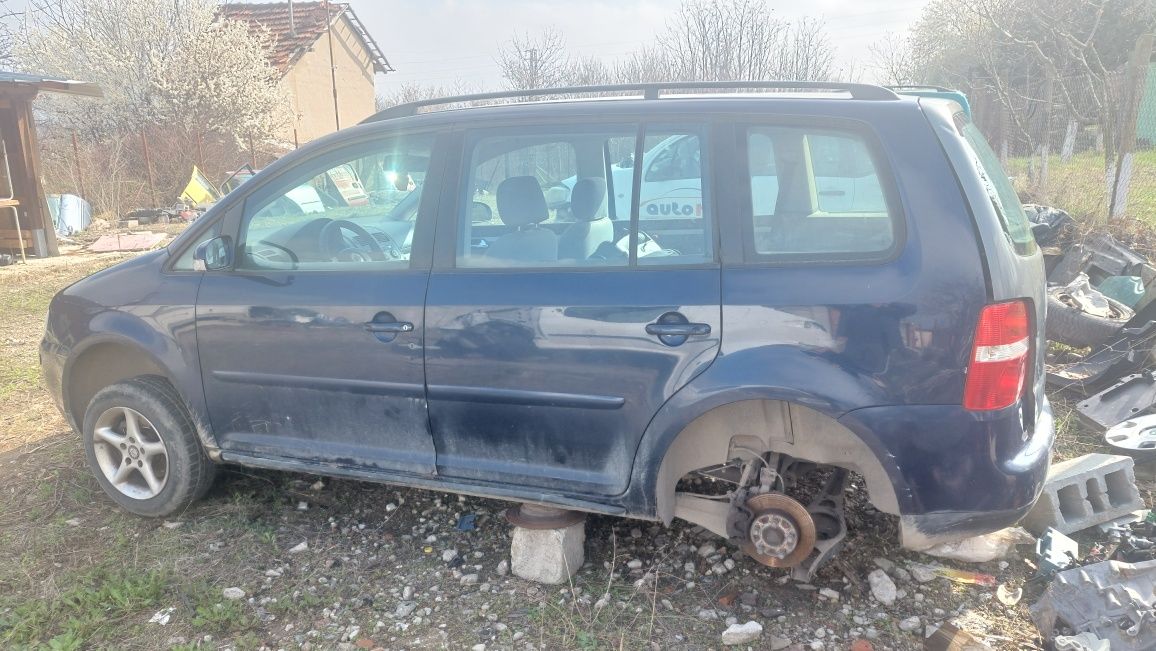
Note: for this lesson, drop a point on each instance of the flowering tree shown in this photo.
(199, 89)
(163, 63)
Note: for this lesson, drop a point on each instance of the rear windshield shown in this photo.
(999, 188)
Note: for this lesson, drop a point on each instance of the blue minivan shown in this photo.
(581, 303)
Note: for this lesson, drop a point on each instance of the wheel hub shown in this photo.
(773, 534)
(781, 533)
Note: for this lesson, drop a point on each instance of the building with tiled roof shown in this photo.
(326, 57)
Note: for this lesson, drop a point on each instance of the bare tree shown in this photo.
(891, 58)
(804, 53)
(538, 61)
(416, 92)
(723, 40)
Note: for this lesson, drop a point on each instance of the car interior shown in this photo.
(549, 207)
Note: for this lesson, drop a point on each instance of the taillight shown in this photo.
(999, 360)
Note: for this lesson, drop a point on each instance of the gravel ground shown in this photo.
(273, 560)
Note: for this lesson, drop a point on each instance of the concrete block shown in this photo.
(548, 555)
(1083, 492)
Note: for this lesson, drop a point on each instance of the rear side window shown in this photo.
(545, 197)
(998, 187)
(816, 194)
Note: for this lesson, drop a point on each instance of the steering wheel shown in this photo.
(331, 234)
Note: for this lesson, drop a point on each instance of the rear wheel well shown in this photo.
(740, 429)
(100, 366)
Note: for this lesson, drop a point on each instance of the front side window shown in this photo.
(565, 198)
(352, 210)
(816, 193)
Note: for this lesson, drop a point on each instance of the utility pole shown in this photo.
(332, 65)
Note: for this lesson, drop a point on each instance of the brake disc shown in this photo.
(781, 533)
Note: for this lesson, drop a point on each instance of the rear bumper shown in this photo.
(958, 473)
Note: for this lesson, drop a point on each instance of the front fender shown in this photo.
(135, 308)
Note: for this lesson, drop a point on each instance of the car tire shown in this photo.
(1072, 326)
(142, 446)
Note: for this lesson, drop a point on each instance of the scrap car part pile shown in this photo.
(1102, 297)
(1113, 601)
(1102, 309)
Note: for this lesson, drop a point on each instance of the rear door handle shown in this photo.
(395, 327)
(385, 327)
(678, 329)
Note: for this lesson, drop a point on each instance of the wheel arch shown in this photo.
(760, 425)
(108, 359)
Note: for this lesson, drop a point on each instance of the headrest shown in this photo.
(521, 202)
(586, 198)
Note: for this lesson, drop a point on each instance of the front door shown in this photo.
(311, 347)
(542, 370)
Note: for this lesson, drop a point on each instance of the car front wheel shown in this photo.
(142, 446)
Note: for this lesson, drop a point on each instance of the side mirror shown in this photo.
(214, 254)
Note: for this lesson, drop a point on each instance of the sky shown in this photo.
(444, 42)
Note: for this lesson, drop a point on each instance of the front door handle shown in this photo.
(386, 328)
(673, 329)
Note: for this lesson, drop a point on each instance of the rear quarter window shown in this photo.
(817, 194)
(998, 186)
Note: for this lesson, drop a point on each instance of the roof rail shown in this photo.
(647, 90)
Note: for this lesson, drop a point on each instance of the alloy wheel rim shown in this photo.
(130, 453)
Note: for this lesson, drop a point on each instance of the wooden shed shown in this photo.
(25, 223)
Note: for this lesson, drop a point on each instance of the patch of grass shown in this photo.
(94, 604)
(1079, 185)
(215, 614)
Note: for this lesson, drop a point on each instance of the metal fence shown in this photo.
(1083, 145)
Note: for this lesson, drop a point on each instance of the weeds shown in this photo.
(94, 603)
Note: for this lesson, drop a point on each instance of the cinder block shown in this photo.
(548, 555)
(1083, 492)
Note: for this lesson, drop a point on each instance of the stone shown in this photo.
(503, 568)
(882, 587)
(405, 609)
(910, 624)
(635, 564)
(549, 556)
(707, 549)
(922, 573)
(829, 593)
(469, 579)
(884, 564)
(449, 555)
(300, 547)
(779, 643)
(233, 594)
(737, 634)
(707, 614)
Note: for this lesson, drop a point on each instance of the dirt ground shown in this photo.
(330, 564)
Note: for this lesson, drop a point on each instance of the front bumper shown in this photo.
(52, 358)
(958, 473)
